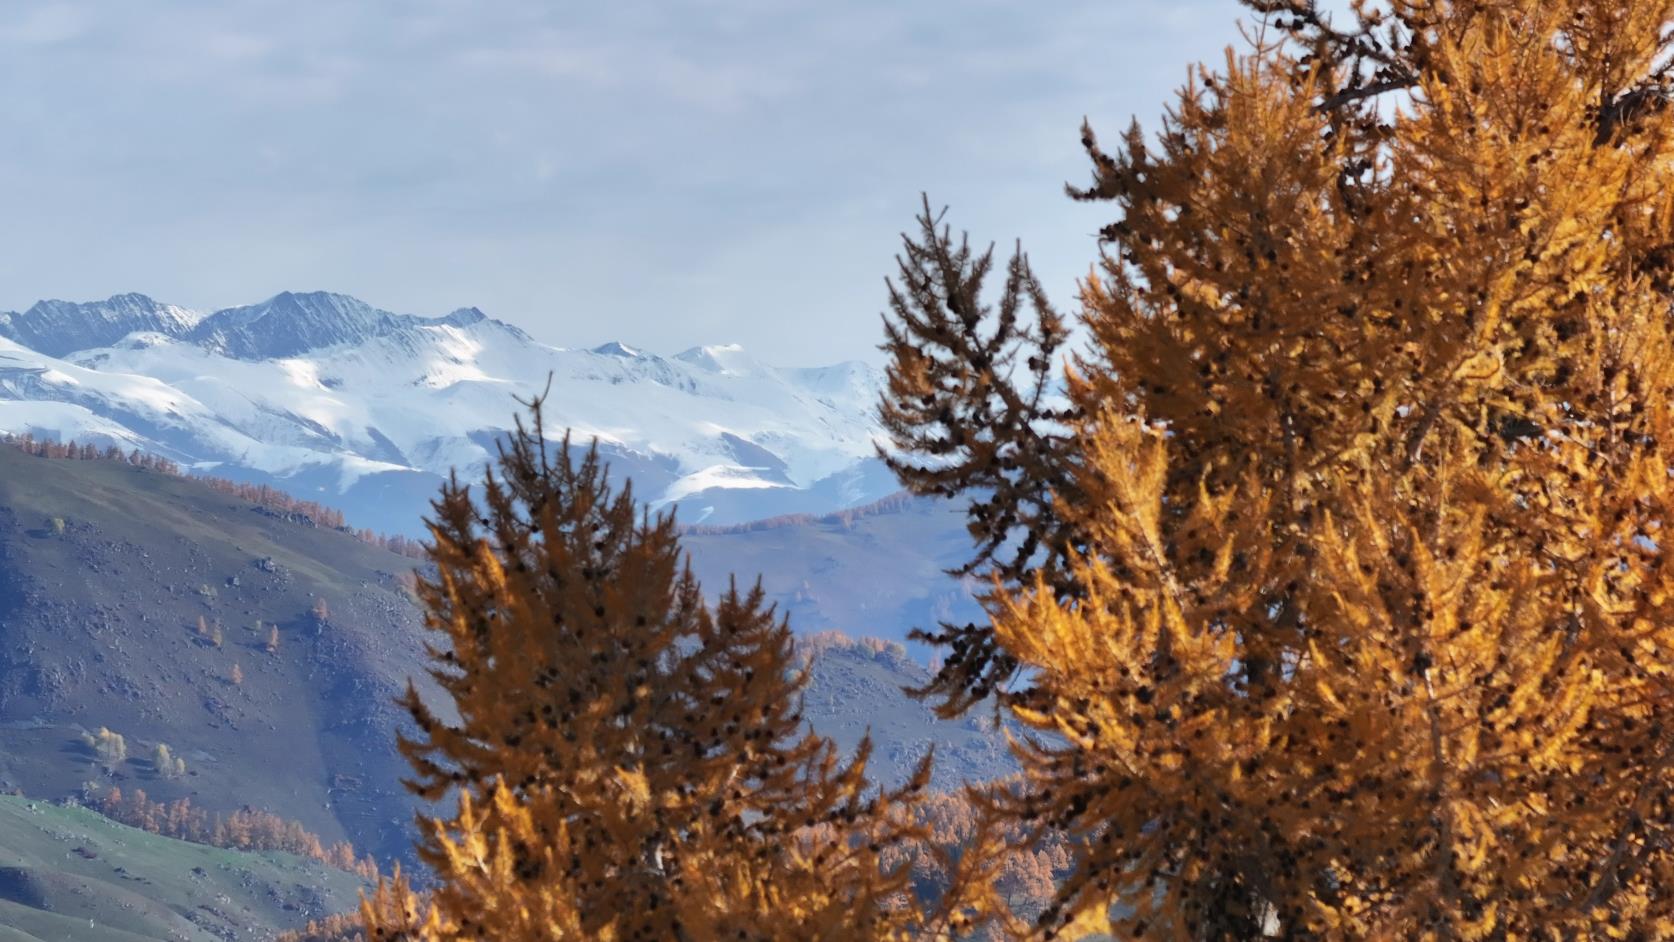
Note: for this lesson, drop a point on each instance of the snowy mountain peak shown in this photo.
(465, 317)
(288, 324)
(616, 348)
(370, 410)
(58, 327)
(726, 358)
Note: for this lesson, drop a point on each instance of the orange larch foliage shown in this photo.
(1336, 574)
(628, 761)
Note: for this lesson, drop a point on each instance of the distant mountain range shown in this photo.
(368, 410)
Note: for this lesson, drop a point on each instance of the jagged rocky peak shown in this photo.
(293, 323)
(464, 317)
(290, 323)
(59, 328)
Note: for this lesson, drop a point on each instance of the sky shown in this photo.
(665, 173)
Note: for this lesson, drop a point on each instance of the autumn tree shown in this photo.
(342, 927)
(110, 748)
(1336, 573)
(165, 763)
(628, 761)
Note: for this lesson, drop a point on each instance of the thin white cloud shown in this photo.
(667, 171)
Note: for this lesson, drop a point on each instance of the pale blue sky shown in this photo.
(665, 173)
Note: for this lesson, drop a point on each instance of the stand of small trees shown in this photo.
(245, 829)
(1025, 872)
(166, 763)
(341, 927)
(820, 643)
(72, 451)
(110, 748)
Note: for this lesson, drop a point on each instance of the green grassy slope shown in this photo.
(67, 873)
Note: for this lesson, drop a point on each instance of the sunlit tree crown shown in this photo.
(1348, 608)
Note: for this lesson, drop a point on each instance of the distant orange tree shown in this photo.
(628, 761)
(1334, 565)
(341, 927)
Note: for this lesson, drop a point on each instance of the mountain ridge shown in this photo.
(58, 328)
(369, 410)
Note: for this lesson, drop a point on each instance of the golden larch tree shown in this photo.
(630, 762)
(1336, 579)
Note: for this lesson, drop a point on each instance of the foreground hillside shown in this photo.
(67, 873)
(131, 600)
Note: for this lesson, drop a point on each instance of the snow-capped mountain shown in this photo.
(368, 410)
(60, 327)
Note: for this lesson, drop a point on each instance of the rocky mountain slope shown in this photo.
(368, 410)
(59, 328)
(879, 570)
(105, 573)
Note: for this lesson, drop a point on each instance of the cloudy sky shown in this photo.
(663, 172)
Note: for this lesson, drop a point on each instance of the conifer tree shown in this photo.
(629, 762)
(1349, 606)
